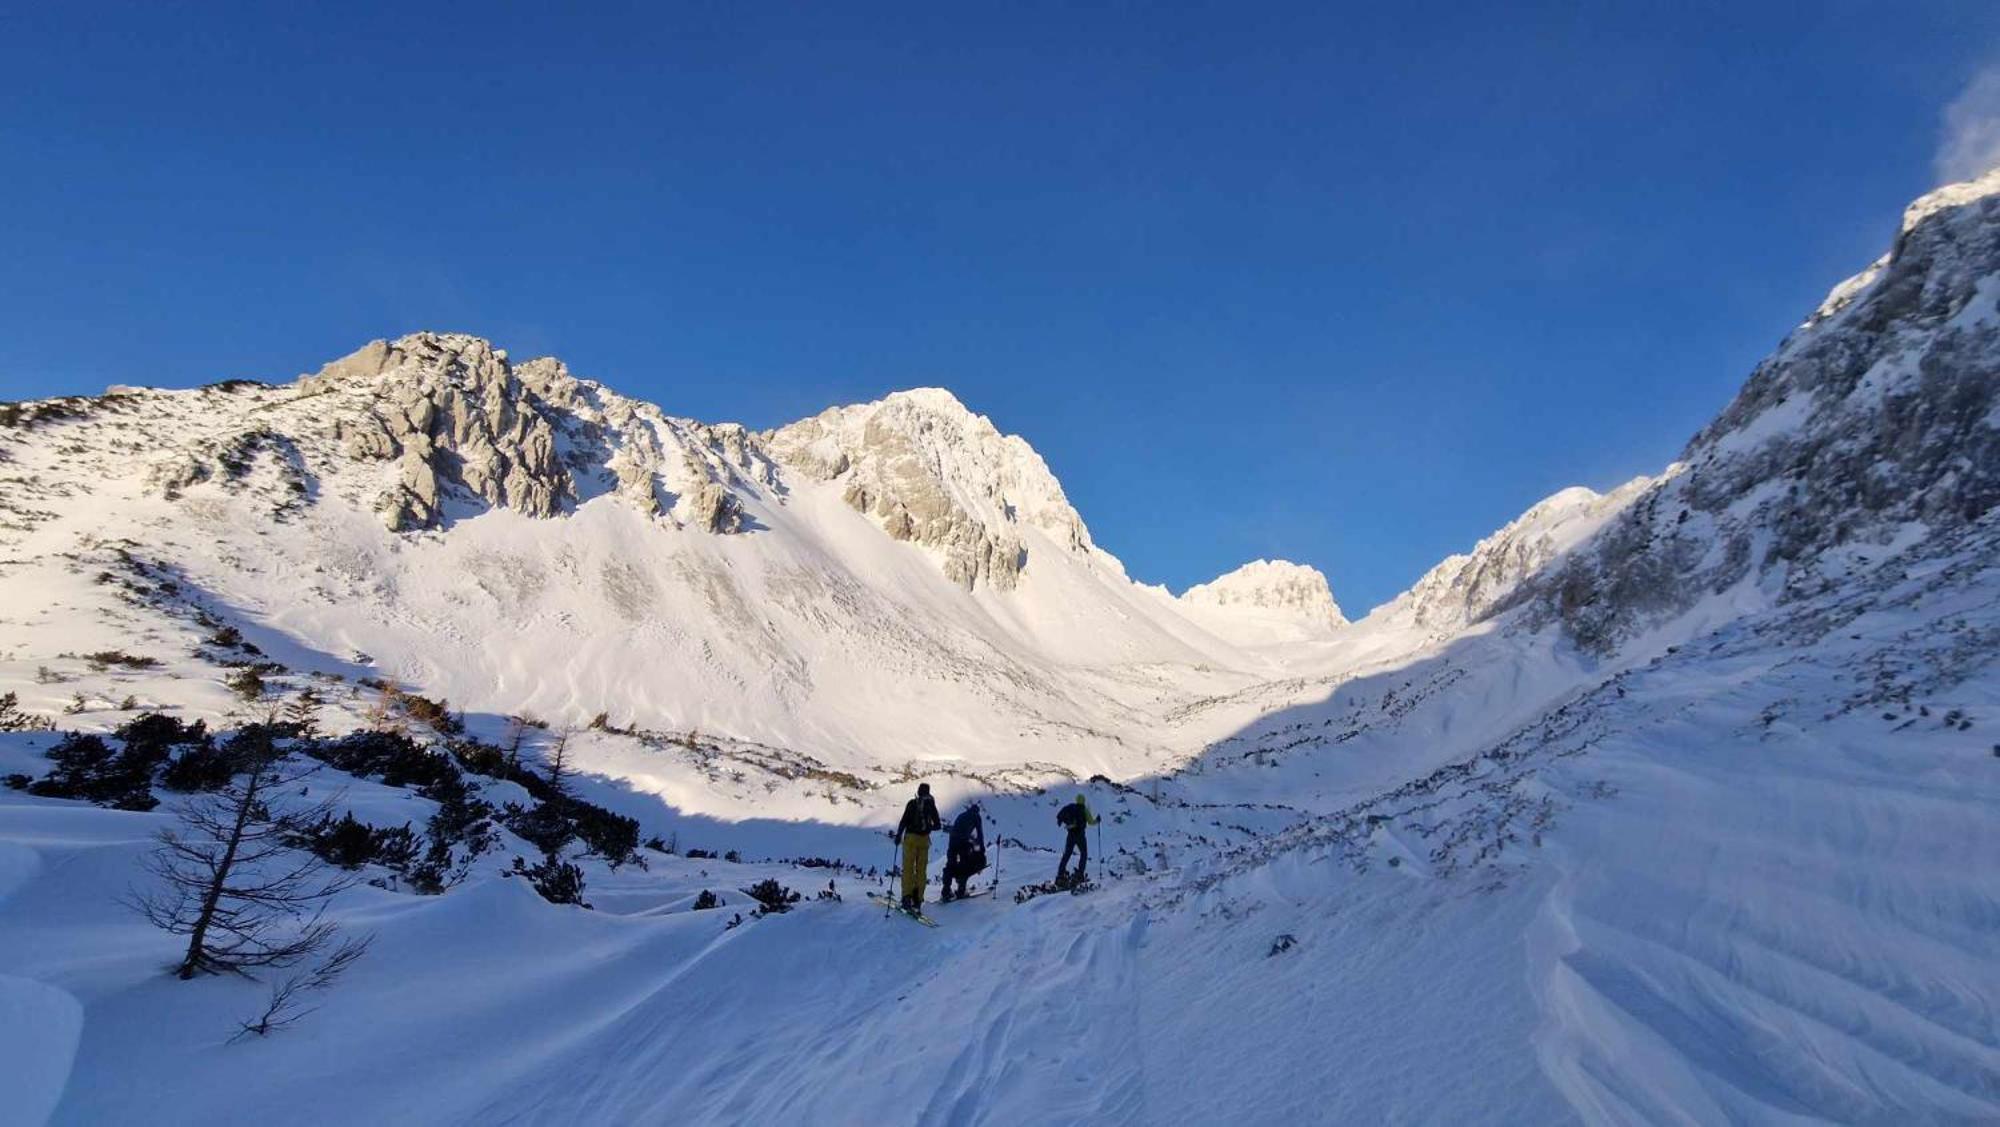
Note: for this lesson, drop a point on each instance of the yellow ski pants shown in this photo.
(916, 865)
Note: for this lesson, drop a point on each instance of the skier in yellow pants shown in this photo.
(913, 833)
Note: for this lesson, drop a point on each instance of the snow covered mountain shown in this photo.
(1870, 432)
(1460, 590)
(887, 582)
(1660, 805)
(1264, 602)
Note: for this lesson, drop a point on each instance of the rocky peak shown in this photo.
(1875, 422)
(1293, 589)
(449, 410)
(452, 413)
(932, 472)
(1463, 587)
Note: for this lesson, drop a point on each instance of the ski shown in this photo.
(968, 896)
(897, 905)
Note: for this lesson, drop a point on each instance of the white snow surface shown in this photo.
(1431, 866)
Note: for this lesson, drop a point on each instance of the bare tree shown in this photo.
(288, 1001)
(384, 715)
(231, 883)
(559, 764)
(516, 730)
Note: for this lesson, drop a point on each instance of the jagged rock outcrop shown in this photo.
(450, 411)
(451, 414)
(1292, 589)
(933, 473)
(1876, 423)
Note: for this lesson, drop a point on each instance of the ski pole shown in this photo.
(889, 897)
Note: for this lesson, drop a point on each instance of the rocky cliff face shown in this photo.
(454, 419)
(1280, 586)
(1875, 425)
(933, 473)
(448, 412)
(1462, 588)
(436, 426)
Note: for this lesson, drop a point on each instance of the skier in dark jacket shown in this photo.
(913, 833)
(965, 854)
(1077, 819)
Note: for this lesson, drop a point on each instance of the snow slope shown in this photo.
(1669, 805)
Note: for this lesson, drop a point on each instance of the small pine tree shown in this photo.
(302, 713)
(13, 719)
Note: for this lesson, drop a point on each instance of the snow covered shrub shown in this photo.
(462, 820)
(772, 898)
(541, 825)
(1282, 944)
(707, 900)
(481, 758)
(392, 757)
(558, 882)
(105, 659)
(201, 765)
(246, 683)
(351, 843)
(559, 819)
(153, 733)
(435, 714)
(613, 837)
(87, 768)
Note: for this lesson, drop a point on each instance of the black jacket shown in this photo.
(920, 816)
(967, 833)
(1075, 817)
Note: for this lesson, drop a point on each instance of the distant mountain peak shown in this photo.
(932, 472)
(1297, 590)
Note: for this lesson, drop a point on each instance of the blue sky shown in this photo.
(1348, 284)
